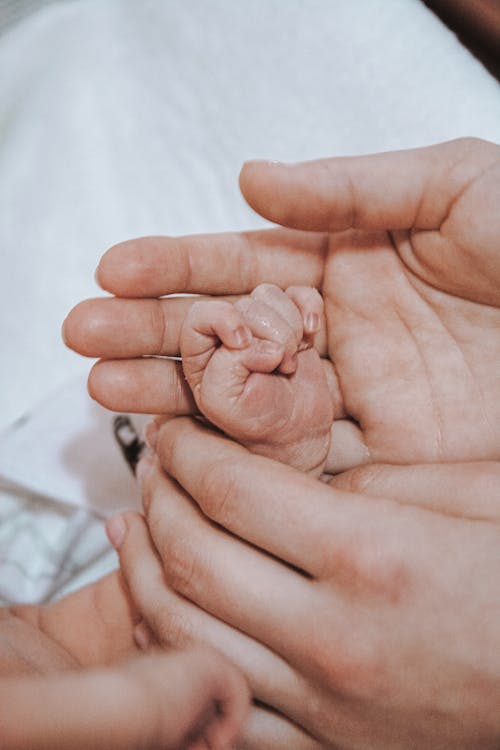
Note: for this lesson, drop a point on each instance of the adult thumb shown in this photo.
(386, 191)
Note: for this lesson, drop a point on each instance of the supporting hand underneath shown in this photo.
(367, 620)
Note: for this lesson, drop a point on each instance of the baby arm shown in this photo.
(256, 375)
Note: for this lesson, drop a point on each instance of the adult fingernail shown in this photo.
(143, 469)
(151, 435)
(116, 529)
(141, 636)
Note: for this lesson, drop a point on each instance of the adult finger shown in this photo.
(194, 554)
(117, 328)
(145, 386)
(96, 327)
(176, 622)
(268, 730)
(394, 190)
(469, 490)
(256, 498)
(232, 263)
(160, 700)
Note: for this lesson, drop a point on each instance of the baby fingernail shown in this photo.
(242, 336)
(116, 530)
(311, 322)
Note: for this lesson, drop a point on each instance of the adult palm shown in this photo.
(405, 249)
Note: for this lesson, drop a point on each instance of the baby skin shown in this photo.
(255, 372)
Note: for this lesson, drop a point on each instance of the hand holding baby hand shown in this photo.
(255, 373)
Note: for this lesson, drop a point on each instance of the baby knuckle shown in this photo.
(195, 311)
(264, 290)
(199, 313)
(243, 305)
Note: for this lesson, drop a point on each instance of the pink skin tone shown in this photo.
(255, 374)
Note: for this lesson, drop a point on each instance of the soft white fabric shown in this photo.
(121, 118)
(64, 450)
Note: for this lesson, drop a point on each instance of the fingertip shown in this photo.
(64, 334)
(310, 304)
(255, 181)
(144, 469)
(116, 530)
(289, 364)
(101, 382)
(239, 337)
(104, 273)
(97, 275)
(150, 434)
(129, 269)
(82, 326)
(311, 322)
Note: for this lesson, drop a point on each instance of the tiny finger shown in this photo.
(266, 322)
(310, 305)
(206, 325)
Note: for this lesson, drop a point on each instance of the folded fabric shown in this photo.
(61, 473)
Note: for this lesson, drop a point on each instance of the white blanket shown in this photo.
(120, 118)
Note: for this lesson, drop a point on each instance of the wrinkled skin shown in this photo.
(367, 619)
(254, 373)
(404, 249)
(365, 612)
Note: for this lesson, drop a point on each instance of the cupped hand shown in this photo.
(360, 620)
(404, 249)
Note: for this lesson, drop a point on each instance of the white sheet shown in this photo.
(120, 118)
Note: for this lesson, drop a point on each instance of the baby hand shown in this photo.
(255, 374)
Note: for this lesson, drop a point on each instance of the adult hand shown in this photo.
(404, 248)
(367, 620)
(192, 699)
